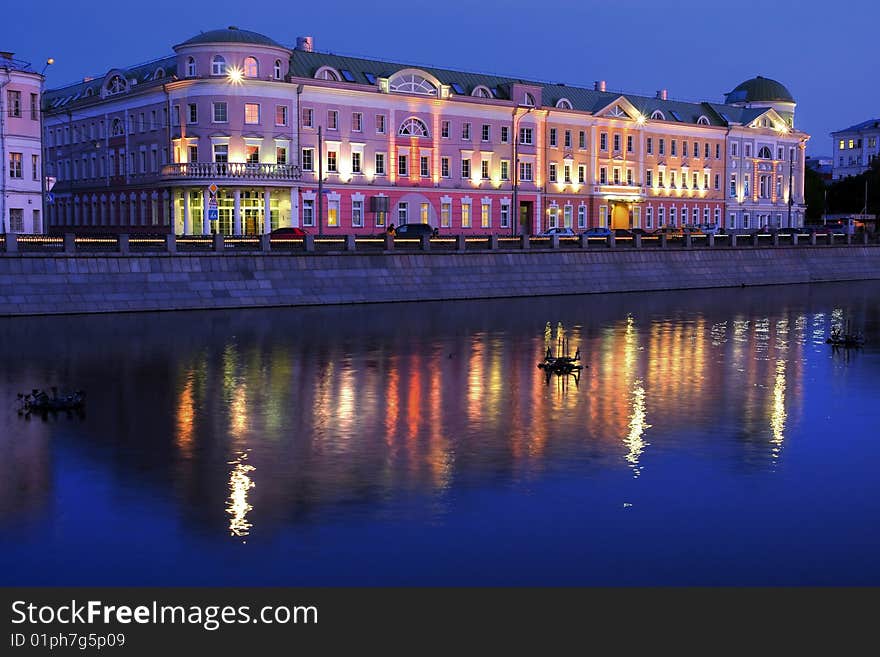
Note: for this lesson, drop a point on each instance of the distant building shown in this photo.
(20, 185)
(822, 165)
(855, 148)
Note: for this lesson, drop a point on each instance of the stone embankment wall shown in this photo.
(34, 284)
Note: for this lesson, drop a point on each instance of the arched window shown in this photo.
(277, 69)
(327, 73)
(764, 153)
(563, 103)
(190, 67)
(702, 121)
(160, 73)
(658, 115)
(116, 128)
(411, 82)
(413, 127)
(218, 65)
(528, 99)
(89, 91)
(481, 91)
(116, 85)
(251, 68)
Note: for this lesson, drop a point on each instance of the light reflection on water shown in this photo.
(267, 424)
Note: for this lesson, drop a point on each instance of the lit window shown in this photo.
(251, 68)
(251, 113)
(413, 127)
(412, 83)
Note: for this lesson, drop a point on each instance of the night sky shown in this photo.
(698, 51)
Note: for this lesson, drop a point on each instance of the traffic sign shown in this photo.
(213, 189)
(50, 197)
(212, 214)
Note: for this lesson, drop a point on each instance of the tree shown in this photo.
(814, 194)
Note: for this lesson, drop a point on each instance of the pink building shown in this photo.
(138, 149)
(20, 194)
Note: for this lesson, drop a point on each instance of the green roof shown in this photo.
(231, 34)
(760, 89)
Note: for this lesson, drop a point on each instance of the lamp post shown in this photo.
(43, 190)
(515, 210)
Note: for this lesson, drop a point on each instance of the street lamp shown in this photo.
(43, 190)
(514, 220)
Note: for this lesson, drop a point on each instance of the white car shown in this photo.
(562, 232)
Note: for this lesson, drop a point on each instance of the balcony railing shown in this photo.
(231, 171)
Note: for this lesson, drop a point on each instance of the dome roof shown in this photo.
(760, 89)
(231, 35)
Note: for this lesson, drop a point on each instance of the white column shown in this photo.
(236, 213)
(206, 225)
(186, 211)
(294, 206)
(267, 210)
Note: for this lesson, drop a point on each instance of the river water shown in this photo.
(712, 438)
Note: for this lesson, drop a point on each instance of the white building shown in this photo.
(855, 149)
(20, 150)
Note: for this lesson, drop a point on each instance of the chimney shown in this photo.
(305, 43)
(662, 95)
(599, 85)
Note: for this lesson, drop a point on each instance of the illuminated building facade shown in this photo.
(136, 150)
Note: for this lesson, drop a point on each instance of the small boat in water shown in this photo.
(561, 364)
(39, 401)
(845, 340)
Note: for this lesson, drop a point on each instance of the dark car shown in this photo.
(414, 230)
(288, 231)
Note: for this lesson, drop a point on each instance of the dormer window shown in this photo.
(702, 121)
(116, 85)
(327, 73)
(657, 115)
(481, 91)
(412, 82)
(218, 65)
(251, 67)
(190, 67)
(277, 69)
(563, 103)
(528, 99)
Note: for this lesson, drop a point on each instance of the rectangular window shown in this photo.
(466, 131)
(505, 216)
(603, 175)
(221, 153)
(280, 155)
(748, 150)
(484, 169)
(552, 136)
(567, 139)
(649, 178)
(485, 216)
(603, 215)
(603, 141)
(331, 162)
(308, 159)
(16, 220)
(661, 147)
(220, 115)
(333, 213)
(252, 154)
(505, 134)
(332, 120)
(380, 124)
(525, 171)
(444, 167)
(380, 164)
(660, 179)
(629, 176)
(401, 166)
(582, 216)
(552, 175)
(425, 169)
(15, 169)
(308, 212)
(649, 217)
(672, 178)
(486, 132)
(629, 144)
(444, 129)
(308, 117)
(445, 215)
(525, 136)
(732, 185)
(505, 169)
(567, 214)
(402, 213)
(649, 145)
(553, 219)
(673, 219)
(251, 113)
(356, 161)
(35, 115)
(281, 115)
(717, 151)
(582, 139)
(705, 181)
(672, 148)
(616, 143)
(745, 219)
(733, 149)
(465, 168)
(424, 212)
(192, 113)
(696, 149)
(582, 174)
(566, 170)
(35, 167)
(465, 215)
(193, 154)
(661, 216)
(696, 180)
(706, 151)
(616, 175)
(357, 214)
(357, 122)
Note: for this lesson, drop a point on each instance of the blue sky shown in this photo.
(698, 51)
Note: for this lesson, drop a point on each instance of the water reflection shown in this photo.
(237, 505)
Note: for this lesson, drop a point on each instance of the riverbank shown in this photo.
(42, 284)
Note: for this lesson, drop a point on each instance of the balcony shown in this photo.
(230, 171)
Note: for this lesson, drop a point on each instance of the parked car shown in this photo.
(558, 230)
(415, 230)
(597, 232)
(288, 231)
(710, 229)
